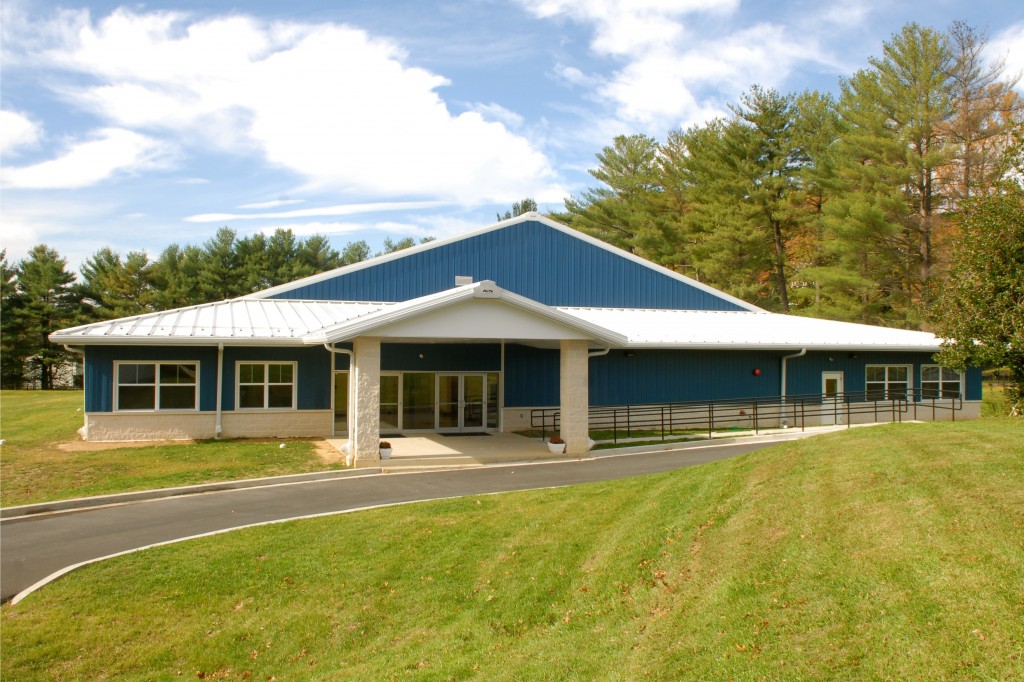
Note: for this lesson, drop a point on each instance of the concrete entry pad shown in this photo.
(420, 450)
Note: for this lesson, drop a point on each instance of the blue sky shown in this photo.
(138, 125)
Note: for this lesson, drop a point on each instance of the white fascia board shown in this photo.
(395, 255)
(526, 217)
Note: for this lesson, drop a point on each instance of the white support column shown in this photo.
(364, 409)
(574, 373)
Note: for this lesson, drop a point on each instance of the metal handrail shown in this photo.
(665, 419)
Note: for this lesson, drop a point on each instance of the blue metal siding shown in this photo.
(973, 389)
(530, 259)
(805, 372)
(531, 376)
(314, 378)
(99, 371)
(658, 376)
(655, 376)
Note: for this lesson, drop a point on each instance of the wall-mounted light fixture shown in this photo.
(630, 354)
(757, 372)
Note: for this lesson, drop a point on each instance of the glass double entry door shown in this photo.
(438, 402)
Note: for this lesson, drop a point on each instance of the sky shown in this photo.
(136, 126)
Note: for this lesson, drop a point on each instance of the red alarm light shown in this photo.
(757, 372)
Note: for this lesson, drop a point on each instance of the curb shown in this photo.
(81, 503)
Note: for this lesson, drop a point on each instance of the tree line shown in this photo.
(40, 294)
(899, 202)
(840, 207)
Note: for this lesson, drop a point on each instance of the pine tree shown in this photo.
(889, 204)
(118, 288)
(46, 301)
(628, 210)
(519, 208)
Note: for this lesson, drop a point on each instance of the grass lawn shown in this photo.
(891, 552)
(34, 469)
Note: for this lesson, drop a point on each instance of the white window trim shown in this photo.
(156, 385)
(962, 375)
(266, 385)
(911, 390)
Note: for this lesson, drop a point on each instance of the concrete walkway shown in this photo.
(38, 547)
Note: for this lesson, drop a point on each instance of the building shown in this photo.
(472, 333)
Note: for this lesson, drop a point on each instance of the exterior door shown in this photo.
(341, 403)
(832, 398)
(389, 403)
(472, 401)
(449, 395)
(461, 402)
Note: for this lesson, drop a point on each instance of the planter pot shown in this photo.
(385, 453)
(556, 448)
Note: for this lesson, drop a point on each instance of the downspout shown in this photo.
(599, 353)
(803, 352)
(219, 428)
(351, 431)
(501, 390)
(85, 417)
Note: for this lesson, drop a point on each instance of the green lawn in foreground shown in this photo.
(33, 469)
(890, 552)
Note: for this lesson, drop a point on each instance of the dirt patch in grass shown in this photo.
(327, 453)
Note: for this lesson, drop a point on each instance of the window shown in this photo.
(266, 385)
(939, 382)
(156, 385)
(887, 382)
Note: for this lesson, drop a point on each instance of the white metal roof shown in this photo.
(246, 321)
(237, 321)
(749, 330)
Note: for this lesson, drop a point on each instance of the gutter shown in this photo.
(782, 391)
(599, 353)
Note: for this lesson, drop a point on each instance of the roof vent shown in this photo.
(463, 280)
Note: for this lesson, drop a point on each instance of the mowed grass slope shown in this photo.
(891, 552)
(34, 469)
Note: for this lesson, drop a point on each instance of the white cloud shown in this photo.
(676, 71)
(272, 204)
(630, 27)
(329, 102)
(307, 229)
(1008, 44)
(16, 130)
(87, 163)
(320, 211)
(497, 112)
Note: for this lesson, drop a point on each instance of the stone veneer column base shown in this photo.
(364, 411)
(574, 394)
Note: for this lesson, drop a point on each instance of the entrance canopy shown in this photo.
(481, 312)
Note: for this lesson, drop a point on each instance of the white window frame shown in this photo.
(156, 385)
(941, 381)
(266, 385)
(909, 383)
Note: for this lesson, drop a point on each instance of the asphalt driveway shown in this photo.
(39, 547)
